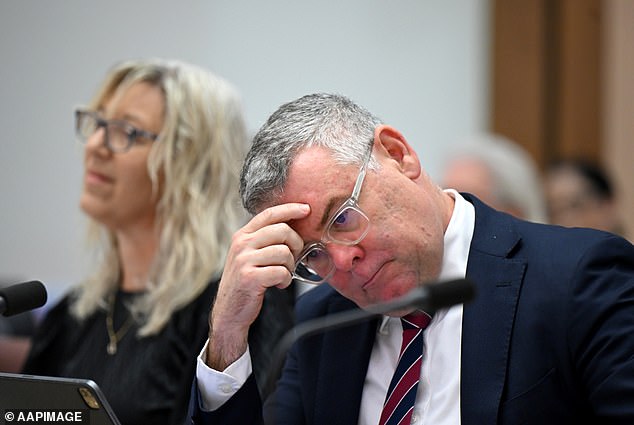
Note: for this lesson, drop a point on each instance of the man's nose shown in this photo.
(344, 257)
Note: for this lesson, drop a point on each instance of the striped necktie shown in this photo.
(401, 394)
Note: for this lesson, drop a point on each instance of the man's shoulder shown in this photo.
(497, 227)
(318, 297)
(567, 240)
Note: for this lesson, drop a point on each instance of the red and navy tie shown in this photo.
(401, 394)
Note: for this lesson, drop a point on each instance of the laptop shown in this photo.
(44, 397)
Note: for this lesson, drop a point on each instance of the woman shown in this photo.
(163, 145)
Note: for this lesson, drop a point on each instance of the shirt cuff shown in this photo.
(216, 387)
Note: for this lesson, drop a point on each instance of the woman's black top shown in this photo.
(148, 380)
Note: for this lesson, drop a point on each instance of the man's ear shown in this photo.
(391, 142)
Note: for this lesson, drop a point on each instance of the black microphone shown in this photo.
(428, 297)
(21, 297)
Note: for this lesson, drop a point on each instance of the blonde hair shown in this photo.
(198, 156)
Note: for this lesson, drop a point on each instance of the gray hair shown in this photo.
(517, 180)
(327, 120)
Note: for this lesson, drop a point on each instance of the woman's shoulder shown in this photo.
(55, 334)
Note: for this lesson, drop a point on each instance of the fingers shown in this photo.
(270, 227)
(277, 214)
(278, 234)
(274, 255)
(262, 254)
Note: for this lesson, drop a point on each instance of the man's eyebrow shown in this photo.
(328, 209)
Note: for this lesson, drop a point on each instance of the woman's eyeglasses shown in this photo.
(119, 135)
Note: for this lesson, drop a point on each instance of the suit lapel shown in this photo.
(486, 333)
(488, 320)
(342, 375)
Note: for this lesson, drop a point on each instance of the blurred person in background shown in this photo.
(580, 194)
(164, 141)
(499, 172)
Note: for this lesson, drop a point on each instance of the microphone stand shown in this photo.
(428, 297)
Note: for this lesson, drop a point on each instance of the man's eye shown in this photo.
(312, 255)
(342, 218)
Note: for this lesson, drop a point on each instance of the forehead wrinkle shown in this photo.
(307, 189)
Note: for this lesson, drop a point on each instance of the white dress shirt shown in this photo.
(438, 396)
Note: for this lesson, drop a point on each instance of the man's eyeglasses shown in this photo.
(119, 135)
(347, 226)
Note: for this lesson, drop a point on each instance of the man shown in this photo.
(500, 173)
(581, 194)
(340, 197)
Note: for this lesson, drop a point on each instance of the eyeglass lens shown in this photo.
(314, 267)
(348, 227)
(118, 135)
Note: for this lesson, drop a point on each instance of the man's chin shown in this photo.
(400, 313)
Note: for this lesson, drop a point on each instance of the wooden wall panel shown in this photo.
(546, 76)
(578, 132)
(618, 104)
(518, 72)
(563, 83)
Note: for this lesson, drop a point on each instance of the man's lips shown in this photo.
(374, 278)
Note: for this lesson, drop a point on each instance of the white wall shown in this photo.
(421, 65)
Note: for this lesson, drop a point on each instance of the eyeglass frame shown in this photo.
(350, 202)
(132, 133)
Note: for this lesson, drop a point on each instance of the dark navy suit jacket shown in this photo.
(549, 338)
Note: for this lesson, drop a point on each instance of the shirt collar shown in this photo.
(457, 240)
